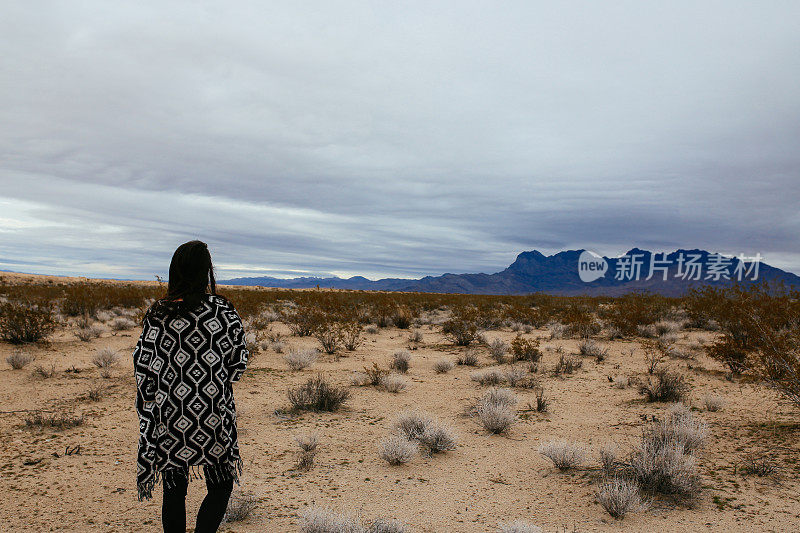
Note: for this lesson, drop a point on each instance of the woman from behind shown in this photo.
(191, 351)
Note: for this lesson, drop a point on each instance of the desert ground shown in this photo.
(83, 478)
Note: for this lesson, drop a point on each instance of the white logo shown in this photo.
(591, 266)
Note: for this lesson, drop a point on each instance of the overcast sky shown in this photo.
(394, 138)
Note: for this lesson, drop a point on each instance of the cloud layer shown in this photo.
(394, 140)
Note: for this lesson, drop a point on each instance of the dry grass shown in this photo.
(393, 383)
(665, 386)
(564, 455)
(619, 496)
(299, 359)
(240, 505)
(59, 420)
(307, 451)
(397, 450)
(443, 366)
(19, 359)
(468, 358)
(401, 361)
(519, 527)
(105, 358)
(317, 394)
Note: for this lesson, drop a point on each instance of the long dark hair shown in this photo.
(191, 276)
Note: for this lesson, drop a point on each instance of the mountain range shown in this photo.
(558, 274)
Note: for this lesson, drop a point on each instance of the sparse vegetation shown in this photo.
(401, 361)
(443, 366)
(468, 358)
(299, 359)
(317, 394)
(25, 321)
(19, 359)
(59, 420)
(619, 496)
(564, 455)
(105, 358)
(665, 386)
(307, 451)
(498, 350)
(240, 505)
(397, 450)
(393, 383)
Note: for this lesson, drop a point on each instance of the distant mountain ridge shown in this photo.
(558, 274)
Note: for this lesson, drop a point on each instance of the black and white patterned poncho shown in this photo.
(185, 364)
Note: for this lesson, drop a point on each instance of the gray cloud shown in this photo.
(334, 137)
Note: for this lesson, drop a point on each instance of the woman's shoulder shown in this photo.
(219, 300)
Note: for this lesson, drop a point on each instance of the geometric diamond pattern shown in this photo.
(185, 363)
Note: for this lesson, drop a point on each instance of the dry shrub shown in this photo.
(665, 386)
(714, 403)
(468, 358)
(490, 376)
(402, 317)
(372, 329)
(461, 328)
(393, 383)
(320, 520)
(387, 525)
(557, 330)
(307, 451)
(317, 394)
(564, 455)
(428, 433)
(303, 321)
(495, 410)
(59, 420)
(240, 505)
(620, 382)
(19, 359)
(498, 350)
(608, 459)
(121, 324)
(329, 335)
(23, 322)
(628, 312)
(443, 366)
(95, 392)
(105, 358)
(401, 361)
(620, 496)
(567, 364)
(415, 336)
(542, 401)
(592, 349)
(89, 332)
(526, 349)
(397, 450)
(43, 372)
(299, 359)
(665, 460)
(351, 335)
(278, 346)
(759, 465)
(374, 375)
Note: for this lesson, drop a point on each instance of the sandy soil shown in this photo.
(485, 481)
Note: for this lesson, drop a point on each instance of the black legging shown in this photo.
(212, 510)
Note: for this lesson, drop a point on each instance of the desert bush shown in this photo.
(411, 425)
(461, 327)
(278, 346)
(103, 316)
(320, 520)
(105, 358)
(415, 336)
(517, 377)
(121, 324)
(564, 455)
(665, 468)
(619, 496)
(401, 361)
(351, 335)
(22, 322)
(329, 335)
(542, 401)
(495, 410)
(567, 364)
(59, 420)
(375, 375)
(372, 329)
(758, 465)
(397, 450)
(620, 381)
(557, 330)
(680, 428)
(490, 376)
(19, 359)
(317, 394)
(85, 334)
(648, 331)
(43, 372)
(713, 402)
(608, 460)
(393, 383)
(630, 311)
(468, 358)
(438, 438)
(592, 349)
(614, 333)
(95, 392)
(525, 349)
(240, 505)
(307, 451)
(387, 525)
(665, 386)
(442, 366)
(519, 527)
(498, 350)
(303, 321)
(300, 359)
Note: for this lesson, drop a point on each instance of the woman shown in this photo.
(191, 350)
